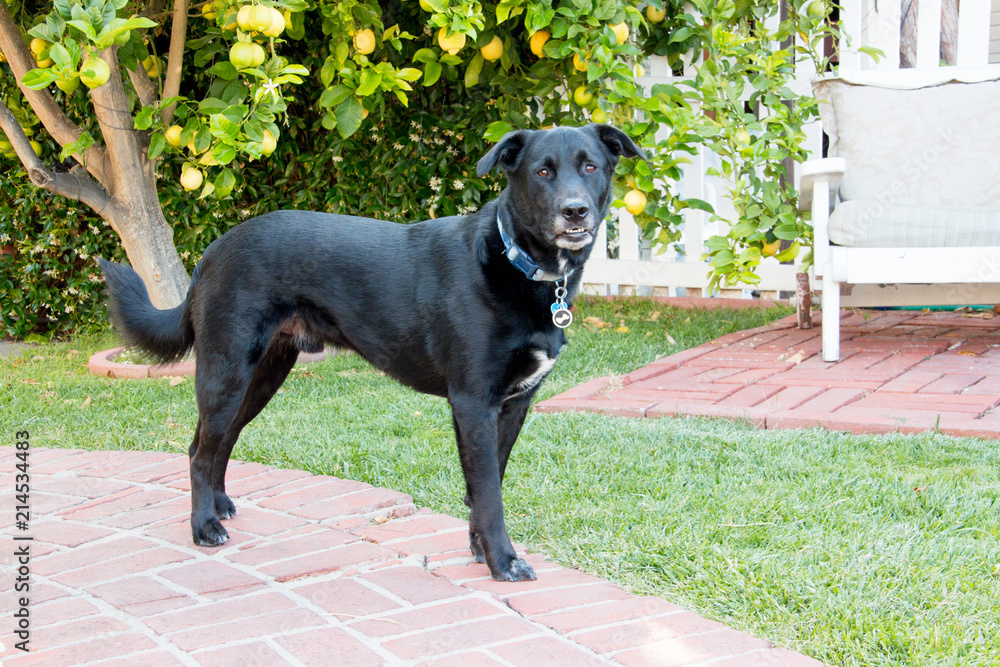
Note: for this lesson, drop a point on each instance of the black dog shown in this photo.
(470, 308)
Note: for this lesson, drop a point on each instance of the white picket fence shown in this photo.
(641, 270)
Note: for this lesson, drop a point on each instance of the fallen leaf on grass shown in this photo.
(621, 327)
(86, 402)
(655, 315)
(670, 339)
(30, 381)
(174, 381)
(595, 323)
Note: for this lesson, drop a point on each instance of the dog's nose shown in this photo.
(575, 210)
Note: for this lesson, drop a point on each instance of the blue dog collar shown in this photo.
(522, 261)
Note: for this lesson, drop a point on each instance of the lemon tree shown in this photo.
(380, 108)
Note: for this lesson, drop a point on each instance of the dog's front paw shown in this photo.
(517, 570)
(224, 507)
(209, 533)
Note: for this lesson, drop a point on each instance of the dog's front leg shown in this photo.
(476, 423)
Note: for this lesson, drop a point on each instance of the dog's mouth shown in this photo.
(574, 238)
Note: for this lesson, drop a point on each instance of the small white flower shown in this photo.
(70, 308)
(415, 138)
(435, 184)
(449, 133)
(397, 146)
(458, 185)
(338, 158)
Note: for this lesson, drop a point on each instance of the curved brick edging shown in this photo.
(103, 363)
(316, 567)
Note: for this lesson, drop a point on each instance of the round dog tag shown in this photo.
(562, 317)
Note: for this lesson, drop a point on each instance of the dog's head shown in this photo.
(559, 183)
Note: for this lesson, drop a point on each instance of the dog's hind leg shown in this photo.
(220, 386)
(267, 378)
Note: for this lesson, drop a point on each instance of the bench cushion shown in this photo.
(869, 224)
(931, 146)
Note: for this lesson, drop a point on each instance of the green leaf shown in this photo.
(496, 130)
(224, 154)
(224, 183)
(432, 72)
(157, 142)
(408, 74)
(224, 70)
(425, 56)
(349, 114)
(473, 71)
(331, 97)
(211, 105)
(144, 119)
(369, 83)
(37, 79)
(700, 205)
(61, 57)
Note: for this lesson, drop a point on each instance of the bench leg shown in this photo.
(831, 317)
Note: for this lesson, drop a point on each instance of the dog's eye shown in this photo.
(591, 168)
(544, 173)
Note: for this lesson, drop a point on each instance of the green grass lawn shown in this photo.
(878, 550)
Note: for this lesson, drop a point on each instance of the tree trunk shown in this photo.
(148, 241)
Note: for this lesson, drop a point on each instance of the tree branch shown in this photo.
(144, 86)
(75, 184)
(175, 56)
(58, 124)
(126, 148)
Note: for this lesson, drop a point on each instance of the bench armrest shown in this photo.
(828, 170)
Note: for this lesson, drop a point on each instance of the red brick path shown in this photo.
(902, 371)
(318, 571)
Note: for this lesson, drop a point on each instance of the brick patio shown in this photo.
(900, 371)
(318, 571)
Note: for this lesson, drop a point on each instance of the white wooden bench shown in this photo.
(912, 194)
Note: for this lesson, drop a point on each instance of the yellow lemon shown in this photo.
(94, 72)
(38, 46)
(241, 55)
(277, 23)
(243, 18)
(493, 50)
(426, 7)
(173, 136)
(68, 85)
(621, 32)
(537, 42)
(259, 56)
(208, 11)
(37, 147)
(259, 19)
(635, 202)
(268, 143)
(191, 178)
(582, 96)
(451, 43)
(598, 116)
(44, 63)
(364, 41)
(770, 248)
(654, 15)
(153, 66)
(817, 10)
(578, 64)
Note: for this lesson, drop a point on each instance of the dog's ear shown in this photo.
(617, 142)
(506, 153)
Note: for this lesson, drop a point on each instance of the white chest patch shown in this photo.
(545, 365)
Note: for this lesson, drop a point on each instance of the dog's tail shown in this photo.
(165, 334)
